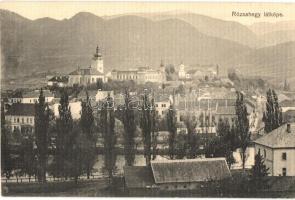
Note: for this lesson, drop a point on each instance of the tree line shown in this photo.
(74, 143)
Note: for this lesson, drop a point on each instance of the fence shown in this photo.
(53, 179)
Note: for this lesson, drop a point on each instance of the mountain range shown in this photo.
(139, 40)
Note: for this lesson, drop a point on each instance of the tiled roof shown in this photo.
(21, 109)
(288, 103)
(161, 98)
(61, 79)
(190, 170)
(86, 71)
(138, 176)
(36, 94)
(279, 138)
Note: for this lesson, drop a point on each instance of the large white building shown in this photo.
(141, 75)
(278, 150)
(32, 97)
(91, 74)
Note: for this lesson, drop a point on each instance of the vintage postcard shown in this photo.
(147, 99)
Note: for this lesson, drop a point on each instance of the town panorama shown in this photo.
(108, 100)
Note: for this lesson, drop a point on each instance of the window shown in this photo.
(284, 156)
(31, 120)
(14, 120)
(17, 120)
(264, 153)
(284, 170)
(22, 120)
(27, 120)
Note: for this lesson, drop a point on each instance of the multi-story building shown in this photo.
(162, 104)
(21, 116)
(58, 81)
(141, 75)
(91, 74)
(278, 150)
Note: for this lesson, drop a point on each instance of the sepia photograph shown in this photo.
(147, 99)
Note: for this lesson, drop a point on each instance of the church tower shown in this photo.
(97, 61)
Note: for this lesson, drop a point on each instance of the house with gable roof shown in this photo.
(171, 175)
(278, 150)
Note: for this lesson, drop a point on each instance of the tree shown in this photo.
(66, 138)
(6, 160)
(87, 123)
(41, 134)
(180, 145)
(272, 117)
(155, 130)
(108, 124)
(28, 159)
(258, 172)
(128, 119)
(192, 138)
(147, 121)
(222, 145)
(242, 126)
(171, 125)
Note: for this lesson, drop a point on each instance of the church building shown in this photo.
(90, 75)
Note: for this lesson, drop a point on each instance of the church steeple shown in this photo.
(97, 60)
(97, 52)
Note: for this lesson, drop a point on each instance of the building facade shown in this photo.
(141, 75)
(278, 150)
(21, 117)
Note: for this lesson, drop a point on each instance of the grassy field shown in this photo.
(99, 188)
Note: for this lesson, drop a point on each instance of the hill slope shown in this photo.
(275, 61)
(127, 41)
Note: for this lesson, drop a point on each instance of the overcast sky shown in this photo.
(61, 10)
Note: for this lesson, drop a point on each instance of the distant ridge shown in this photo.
(138, 40)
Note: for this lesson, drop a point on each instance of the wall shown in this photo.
(18, 121)
(75, 108)
(289, 163)
(267, 153)
(179, 186)
(33, 100)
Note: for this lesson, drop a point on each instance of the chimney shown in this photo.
(288, 128)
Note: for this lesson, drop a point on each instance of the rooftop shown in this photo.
(86, 71)
(288, 103)
(279, 138)
(21, 109)
(36, 94)
(60, 79)
(190, 170)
